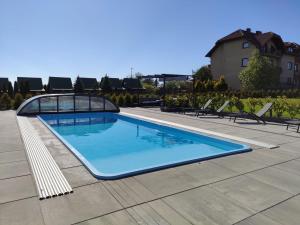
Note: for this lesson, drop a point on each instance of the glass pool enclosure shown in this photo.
(64, 103)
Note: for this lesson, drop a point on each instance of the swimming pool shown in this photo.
(112, 146)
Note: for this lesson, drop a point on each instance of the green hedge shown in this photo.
(282, 106)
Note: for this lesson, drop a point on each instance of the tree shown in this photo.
(10, 90)
(24, 88)
(200, 86)
(220, 85)
(260, 73)
(46, 88)
(203, 74)
(78, 86)
(16, 87)
(105, 84)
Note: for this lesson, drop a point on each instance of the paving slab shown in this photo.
(129, 191)
(156, 212)
(85, 203)
(166, 182)
(208, 206)
(25, 212)
(292, 167)
(278, 178)
(241, 163)
(258, 219)
(14, 169)
(117, 218)
(286, 213)
(12, 156)
(205, 172)
(16, 188)
(276, 139)
(79, 176)
(10, 144)
(251, 193)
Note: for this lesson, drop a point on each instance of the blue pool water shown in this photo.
(112, 145)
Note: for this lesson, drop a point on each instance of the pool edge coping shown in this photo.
(200, 130)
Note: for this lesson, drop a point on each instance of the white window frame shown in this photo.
(290, 66)
(244, 64)
(246, 44)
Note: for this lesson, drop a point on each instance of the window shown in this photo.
(296, 67)
(246, 44)
(290, 49)
(290, 65)
(289, 80)
(244, 62)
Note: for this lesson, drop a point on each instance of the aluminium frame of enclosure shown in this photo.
(74, 108)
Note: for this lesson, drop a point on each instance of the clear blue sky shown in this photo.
(95, 37)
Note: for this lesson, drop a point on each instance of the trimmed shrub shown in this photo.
(135, 99)
(121, 100)
(18, 100)
(114, 98)
(279, 106)
(293, 109)
(128, 99)
(5, 101)
(252, 103)
(237, 103)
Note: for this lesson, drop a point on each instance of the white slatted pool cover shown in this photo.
(49, 180)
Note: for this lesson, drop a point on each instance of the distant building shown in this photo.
(115, 84)
(60, 84)
(231, 54)
(89, 84)
(31, 84)
(132, 84)
(4, 83)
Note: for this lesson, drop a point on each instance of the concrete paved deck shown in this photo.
(259, 187)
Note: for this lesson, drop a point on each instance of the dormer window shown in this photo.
(290, 49)
(246, 44)
(290, 65)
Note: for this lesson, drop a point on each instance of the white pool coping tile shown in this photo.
(204, 131)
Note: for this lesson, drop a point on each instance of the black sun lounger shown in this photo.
(255, 116)
(293, 122)
(220, 111)
(204, 109)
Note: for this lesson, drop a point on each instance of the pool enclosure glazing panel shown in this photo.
(32, 107)
(97, 103)
(66, 103)
(109, 106)
(48, 104)
(82, 103)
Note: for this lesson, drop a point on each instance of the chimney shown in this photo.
(248, 29)
(258, 32)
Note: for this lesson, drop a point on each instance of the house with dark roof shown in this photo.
(30, 84)
(115, 83)
(132, 84)
(230, 55)
(59, 84)
(4, 83)
(88, 84)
